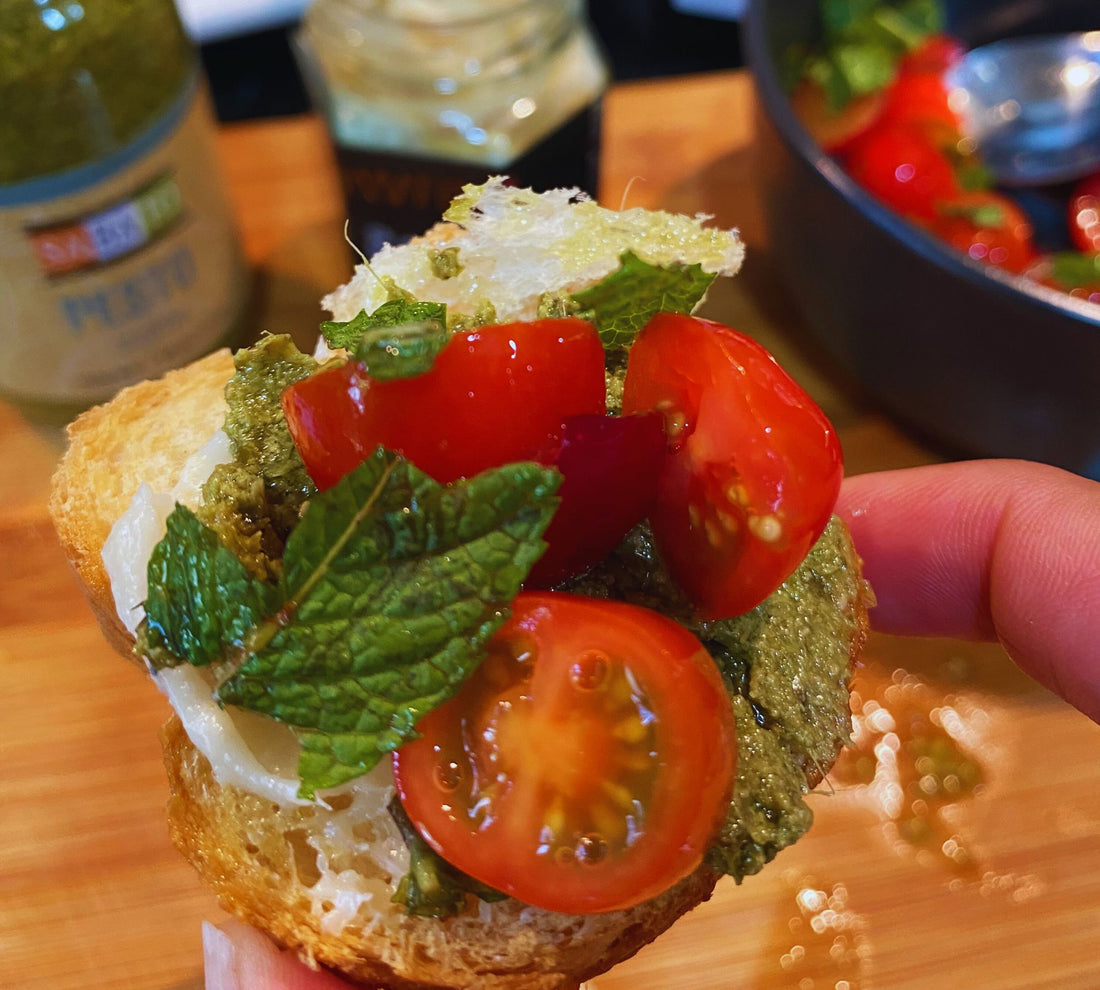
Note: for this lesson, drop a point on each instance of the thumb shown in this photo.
(238, 957)
(996, 549)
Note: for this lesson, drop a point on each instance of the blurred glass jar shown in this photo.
(118, 253)
(423, 96)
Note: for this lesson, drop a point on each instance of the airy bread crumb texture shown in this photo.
(263, 861)
(515, 244)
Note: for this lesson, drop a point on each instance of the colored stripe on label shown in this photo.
(110, 233)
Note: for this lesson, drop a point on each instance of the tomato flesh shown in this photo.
(755, 465)
(988, 227)
(835, 129)
(610, 466)
(494, 395)
(585, 766)
(904, 168)
(935, 55)
(922, 100)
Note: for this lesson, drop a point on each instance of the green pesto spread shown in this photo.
(786, 666)
(484, 314)
(80, 79)
(254, 502)
(444, 263)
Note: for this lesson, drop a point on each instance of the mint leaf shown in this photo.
(403, 351)
(394, 313)
(1075, 270)
(827, 73)
(862, 43)
(866, 66)
(392, 585)
(991, 216)
(840, 16)
(623, 302)
(973, 175)
(202, 600)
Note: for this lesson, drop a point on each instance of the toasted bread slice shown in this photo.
(268, 862)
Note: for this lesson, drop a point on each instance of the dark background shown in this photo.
(255, 75)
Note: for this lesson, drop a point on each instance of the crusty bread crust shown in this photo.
(145, 433)
(245, 848)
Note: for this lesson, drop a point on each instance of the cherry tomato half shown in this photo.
(903, 167)
(1084, 214)
(587, 763)
(935, 55)
(755, 466)
(921, 99)
(834, 129)
(494, 395)
(988, 227)
(610, 466)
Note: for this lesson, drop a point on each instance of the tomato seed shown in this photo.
(564, 856)
(610, 823)
(675, 425)
(591, 671)
(555, 817)
(766, 528)
(590, 849)
(448, 776)
(715, 533)
(730, 523)
(621, 796)
(735, 493)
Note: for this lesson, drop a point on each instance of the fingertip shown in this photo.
(218, 954)
(996, 549)
(238, 957)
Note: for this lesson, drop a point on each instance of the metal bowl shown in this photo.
(988, 363)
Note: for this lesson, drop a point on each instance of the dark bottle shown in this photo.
(423, 96)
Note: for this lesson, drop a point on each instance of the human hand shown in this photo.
(996, 549)
(238, 957)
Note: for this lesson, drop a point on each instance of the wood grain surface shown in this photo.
(956, 845)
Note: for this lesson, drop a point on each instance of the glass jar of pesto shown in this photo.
(422, 96)
(118, 253)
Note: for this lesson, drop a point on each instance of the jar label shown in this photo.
(122, 276)
(392, 197)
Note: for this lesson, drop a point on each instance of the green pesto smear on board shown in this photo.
(79, 79)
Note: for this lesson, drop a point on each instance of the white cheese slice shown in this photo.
(255, 753)
(130, 543)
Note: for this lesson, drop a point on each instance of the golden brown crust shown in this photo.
(145, 433)
(250, 851)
